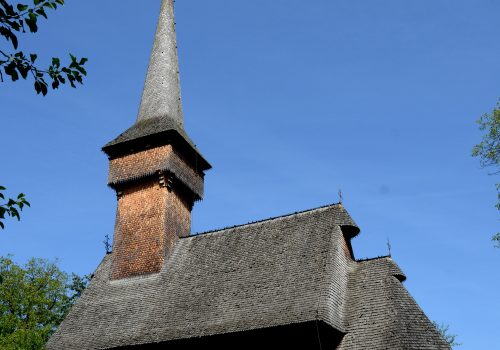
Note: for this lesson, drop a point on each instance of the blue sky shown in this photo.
(290, 101)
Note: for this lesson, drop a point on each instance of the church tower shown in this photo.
(291, 277)
(155, 168)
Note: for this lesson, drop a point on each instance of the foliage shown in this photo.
(11, 207)
(450, 338)
(488, 150)
(77, 286)
(34, 299)
(17, 19)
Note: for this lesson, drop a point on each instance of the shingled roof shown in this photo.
(286, 270)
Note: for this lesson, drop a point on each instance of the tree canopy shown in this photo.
(34, 299)
(488, 150)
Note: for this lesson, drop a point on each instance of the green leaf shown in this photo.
(10, 69)
(9, 36)
(78, 78)
(16, 25)
(2, 188)
(15, 214)
(41, 12)
(56, 62)
(38, 87)
(21, 7)
(44, 88)
(33, 57)
(31, 22)
(24, 71)
(81, 70)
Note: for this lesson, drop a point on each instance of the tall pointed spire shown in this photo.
(160, 120)
(161, 97)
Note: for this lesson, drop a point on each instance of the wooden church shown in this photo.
(289, 282)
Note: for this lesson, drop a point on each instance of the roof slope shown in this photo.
(285, 270)
(382, 315)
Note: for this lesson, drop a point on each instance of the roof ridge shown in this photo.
(263, 220)
(375, 258)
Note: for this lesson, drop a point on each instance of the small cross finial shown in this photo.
(340, 197)
(389, 247)
(107, 244)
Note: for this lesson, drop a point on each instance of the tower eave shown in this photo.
(153, 133)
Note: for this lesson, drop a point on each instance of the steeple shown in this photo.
(161, 97)
(160, 112)
(155, 169)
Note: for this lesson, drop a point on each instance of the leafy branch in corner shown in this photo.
(11, 207)
(19, 19)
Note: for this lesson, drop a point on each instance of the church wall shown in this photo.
(139, 242)
(150, 218)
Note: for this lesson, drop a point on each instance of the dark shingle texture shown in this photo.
(281, 271)
(382, 315)
(162, 90)
(148, 127)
